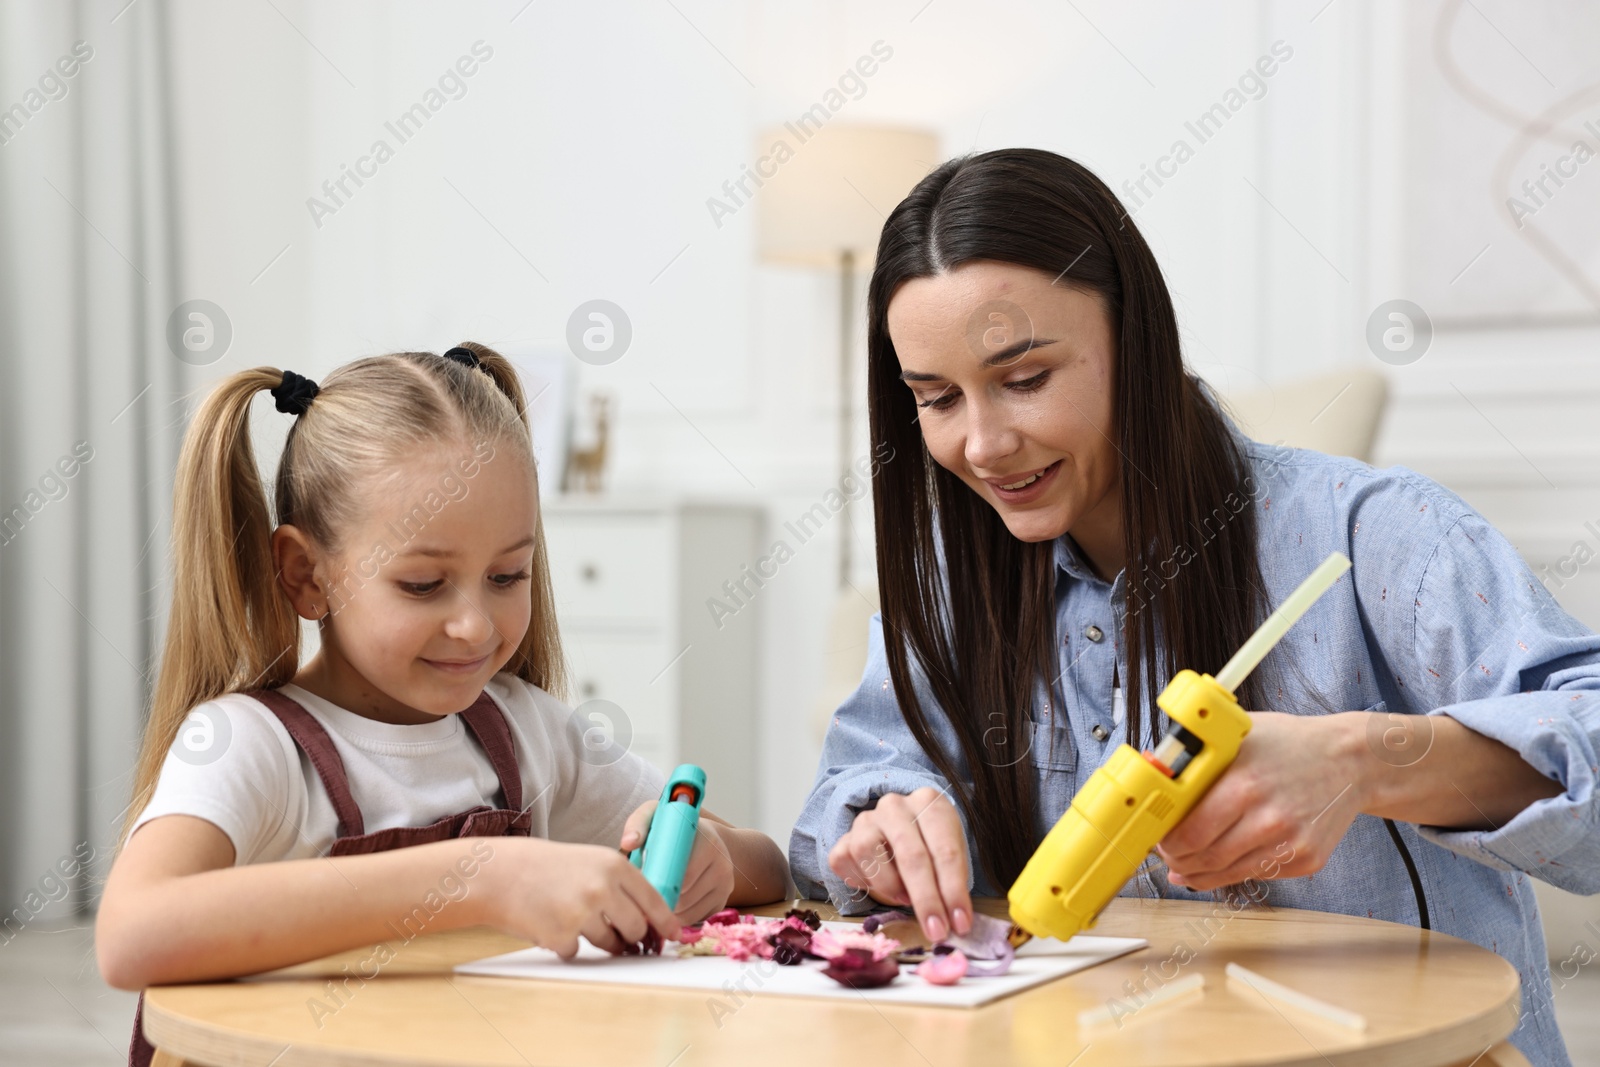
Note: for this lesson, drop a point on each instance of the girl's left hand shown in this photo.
(1277, 812)
(708, 882)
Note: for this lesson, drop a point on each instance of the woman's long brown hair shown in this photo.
(232, 627)
(967, 606)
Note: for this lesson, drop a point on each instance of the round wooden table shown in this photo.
(1430, 1001)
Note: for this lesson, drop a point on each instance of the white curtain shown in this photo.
(90, 416)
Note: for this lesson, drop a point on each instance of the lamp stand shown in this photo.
(847, 282)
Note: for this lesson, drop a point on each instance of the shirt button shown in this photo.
(1093, 632)
(1100, 732)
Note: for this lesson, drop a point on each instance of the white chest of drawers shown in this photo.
(631, 584)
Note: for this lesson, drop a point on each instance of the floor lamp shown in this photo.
(825, 191)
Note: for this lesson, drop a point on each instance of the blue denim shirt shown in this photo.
(1437, 616)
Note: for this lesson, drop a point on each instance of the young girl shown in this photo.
(281, 811)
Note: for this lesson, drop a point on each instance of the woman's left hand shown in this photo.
(708, 881)
(1277, 812)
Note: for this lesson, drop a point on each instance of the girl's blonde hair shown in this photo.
(232, 627)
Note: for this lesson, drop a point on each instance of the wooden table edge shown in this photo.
(1479, 1040)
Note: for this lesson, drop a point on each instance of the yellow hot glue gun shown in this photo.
(1127, 806)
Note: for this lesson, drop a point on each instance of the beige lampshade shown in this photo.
(830, 189)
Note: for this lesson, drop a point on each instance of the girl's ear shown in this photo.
(295, 559)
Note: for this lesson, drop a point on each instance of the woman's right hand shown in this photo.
(910, 849)
(549, 892)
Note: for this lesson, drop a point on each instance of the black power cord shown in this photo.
(1411, 869)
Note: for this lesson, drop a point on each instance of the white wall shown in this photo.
(579, 162)
(591, 139)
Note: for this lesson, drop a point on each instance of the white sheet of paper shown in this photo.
(1039, 961)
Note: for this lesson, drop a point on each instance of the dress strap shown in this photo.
(488, 724)
(314, 741)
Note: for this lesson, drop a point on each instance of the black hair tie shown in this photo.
(295, 393)
(464, 356)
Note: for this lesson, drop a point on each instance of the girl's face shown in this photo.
(430, 596)
(1013, 380)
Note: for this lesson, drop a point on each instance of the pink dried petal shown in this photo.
(856, 968)
(691, 934)
(830, 944)
(741, 941)
(943, 969)
(723, 917)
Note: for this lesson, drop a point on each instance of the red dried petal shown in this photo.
(793, 941)
(857, 969)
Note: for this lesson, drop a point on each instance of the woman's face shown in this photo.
(1013, 380)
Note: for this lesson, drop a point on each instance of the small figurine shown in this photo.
(586, 466)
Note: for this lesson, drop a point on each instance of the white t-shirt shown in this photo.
(234, 765)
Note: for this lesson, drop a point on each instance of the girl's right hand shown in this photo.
(910, 849)
(549, 892)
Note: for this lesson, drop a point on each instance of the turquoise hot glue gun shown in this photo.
(664, 856)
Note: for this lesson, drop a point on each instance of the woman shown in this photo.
(1070, 519)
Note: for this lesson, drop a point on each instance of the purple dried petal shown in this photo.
(989, 968)
(989, 939)
(872, 922)
(987, 947)
(857, 969)
(808, 916)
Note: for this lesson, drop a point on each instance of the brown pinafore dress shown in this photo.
(488, 725)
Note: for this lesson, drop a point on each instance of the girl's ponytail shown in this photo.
(505, 376)
(231, 625)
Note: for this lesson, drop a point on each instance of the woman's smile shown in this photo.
(1024, 488)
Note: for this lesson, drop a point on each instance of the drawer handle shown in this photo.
(589, 689)
(589, 572)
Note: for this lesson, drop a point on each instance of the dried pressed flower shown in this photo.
(858, 969)
(987, 946)
(943, 968)
(829, 944)
(743, 941)
(792, 945)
